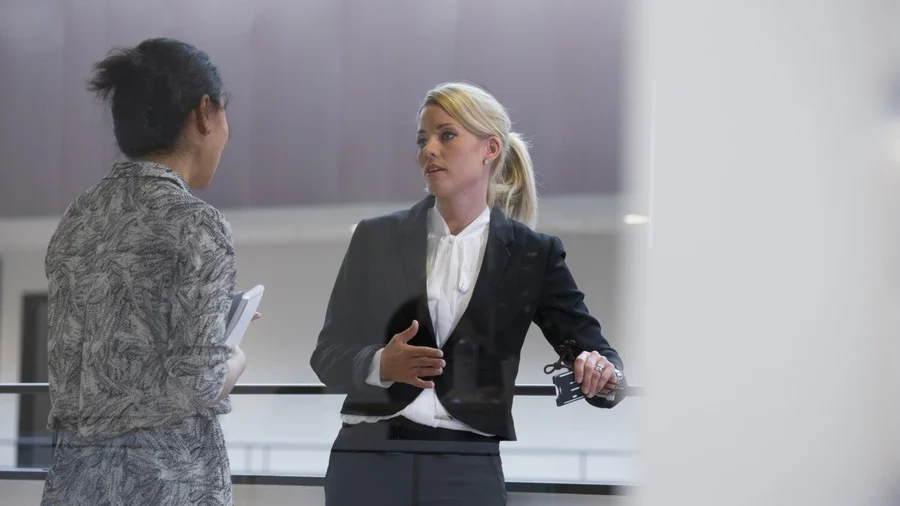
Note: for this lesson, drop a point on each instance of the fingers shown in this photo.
(596, 381)
(435, 363)
(256, 316)
(596, 376)
(591, 376)
(409, 333)
(417, 351)
(611, 384)
(418, 382)
(601, 379)
(580, 367)
(608, 380)
(425, 351)
(424, 372)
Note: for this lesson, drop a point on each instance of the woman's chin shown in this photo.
(437, 189)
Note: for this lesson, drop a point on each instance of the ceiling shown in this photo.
(325, 93)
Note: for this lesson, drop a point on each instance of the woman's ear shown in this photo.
(203, 115)
(494, 147)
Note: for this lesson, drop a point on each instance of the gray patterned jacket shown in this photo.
(140, 276)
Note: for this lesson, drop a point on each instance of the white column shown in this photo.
(767, 279)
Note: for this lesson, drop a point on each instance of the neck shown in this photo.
(175, 161)
(461, 210)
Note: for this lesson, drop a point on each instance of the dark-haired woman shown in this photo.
(140, 276)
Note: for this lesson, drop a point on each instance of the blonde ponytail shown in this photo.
(513, 188)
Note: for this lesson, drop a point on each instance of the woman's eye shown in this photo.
(420, 143)
(446, 136)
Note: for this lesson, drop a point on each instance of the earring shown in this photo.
(487, 161)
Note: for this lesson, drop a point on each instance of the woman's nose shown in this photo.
(431, 149)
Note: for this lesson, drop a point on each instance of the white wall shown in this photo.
(772, 262)
(21, 274)
(298, 274)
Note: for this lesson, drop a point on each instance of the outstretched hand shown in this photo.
(403, 363)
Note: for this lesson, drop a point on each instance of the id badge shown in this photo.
(567, 390)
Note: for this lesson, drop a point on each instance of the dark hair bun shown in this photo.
(152, 87)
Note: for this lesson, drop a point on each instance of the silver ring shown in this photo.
(598, 368)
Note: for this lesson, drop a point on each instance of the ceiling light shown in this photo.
(636, 219)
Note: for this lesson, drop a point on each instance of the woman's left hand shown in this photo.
(595, 374)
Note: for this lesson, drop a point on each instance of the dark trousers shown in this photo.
(400, 463)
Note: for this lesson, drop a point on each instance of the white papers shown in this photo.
(243, 308)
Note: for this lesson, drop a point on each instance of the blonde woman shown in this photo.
(429, 313)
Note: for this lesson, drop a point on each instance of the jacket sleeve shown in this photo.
(206, 272)
(562, 316)
(341, 358)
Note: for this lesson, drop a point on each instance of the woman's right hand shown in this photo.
(403, 363)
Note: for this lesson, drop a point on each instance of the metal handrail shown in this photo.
(317, 481)
(47, 441)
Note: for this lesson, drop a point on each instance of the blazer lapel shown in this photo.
(413, 252)
(496, 254)
(478, 316)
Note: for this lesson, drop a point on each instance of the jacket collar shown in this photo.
(416, 222)
(140, 168)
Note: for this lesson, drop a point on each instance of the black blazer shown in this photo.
(380, 289)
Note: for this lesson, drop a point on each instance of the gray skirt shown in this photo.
(182, 465)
